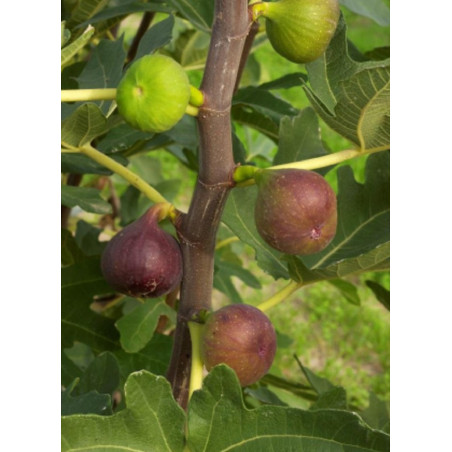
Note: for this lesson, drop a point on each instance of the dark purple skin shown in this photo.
(242, 337)
(143, 260)
(295, 211)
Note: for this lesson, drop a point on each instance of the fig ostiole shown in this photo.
(299, 30)
(242, 337)
(143, 260)
(153, 94)
(295, 210)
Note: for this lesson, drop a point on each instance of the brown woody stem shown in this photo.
(198, 228)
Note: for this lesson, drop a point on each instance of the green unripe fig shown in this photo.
(299, 30)
(143, 260)
(153, 93)
(242, 337)
(295, 210)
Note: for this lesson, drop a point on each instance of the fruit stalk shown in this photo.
(198, 228)
(85, 95)
(128, 175)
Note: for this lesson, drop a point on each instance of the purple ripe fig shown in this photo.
(143, 260)
(242, 337)
(295, 211)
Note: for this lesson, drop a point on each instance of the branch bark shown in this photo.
(198, 228)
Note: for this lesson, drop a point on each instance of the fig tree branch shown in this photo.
(198, 228)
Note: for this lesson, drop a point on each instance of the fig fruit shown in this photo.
(143, 260)
(299, 30)
(153, 93)
(242, 337)
(295, 210)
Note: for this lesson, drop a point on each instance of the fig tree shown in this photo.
(295, 210)
(143, 260)
(242, 337)
(153, 93)
(299, 30)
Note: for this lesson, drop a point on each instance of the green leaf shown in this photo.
(104, 69)
(264, 102)
(260, 109)
(377, 413)
(137, 327)
(220, 404)
(347, 289)
(87, 238)
(81, 164)
(79, 284)
(299, 138)
(72, 49)
(122, 138)
(194, 53)
(329, 395)
(83, 125)
(88, 199)
(286, 81)
(363, 214)
(319, 384)
(91, 402)
(69, 370)
(157, 36)
(351, 97)
(154, 357)
(70, 252)
(239, 217)
(258, 121)
(373, 9)
(380, 292)
(198, 12)
(152, 421)
(84, 10)
(65, 34)
(126, 8)
(102, 375)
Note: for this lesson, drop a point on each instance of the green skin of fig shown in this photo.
(143, 260)
(242, 337)
(295, 211)
(153, 94)
(300, 30)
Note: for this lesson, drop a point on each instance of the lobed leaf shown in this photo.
(152, 421)
(219, 421)
(351, 97)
